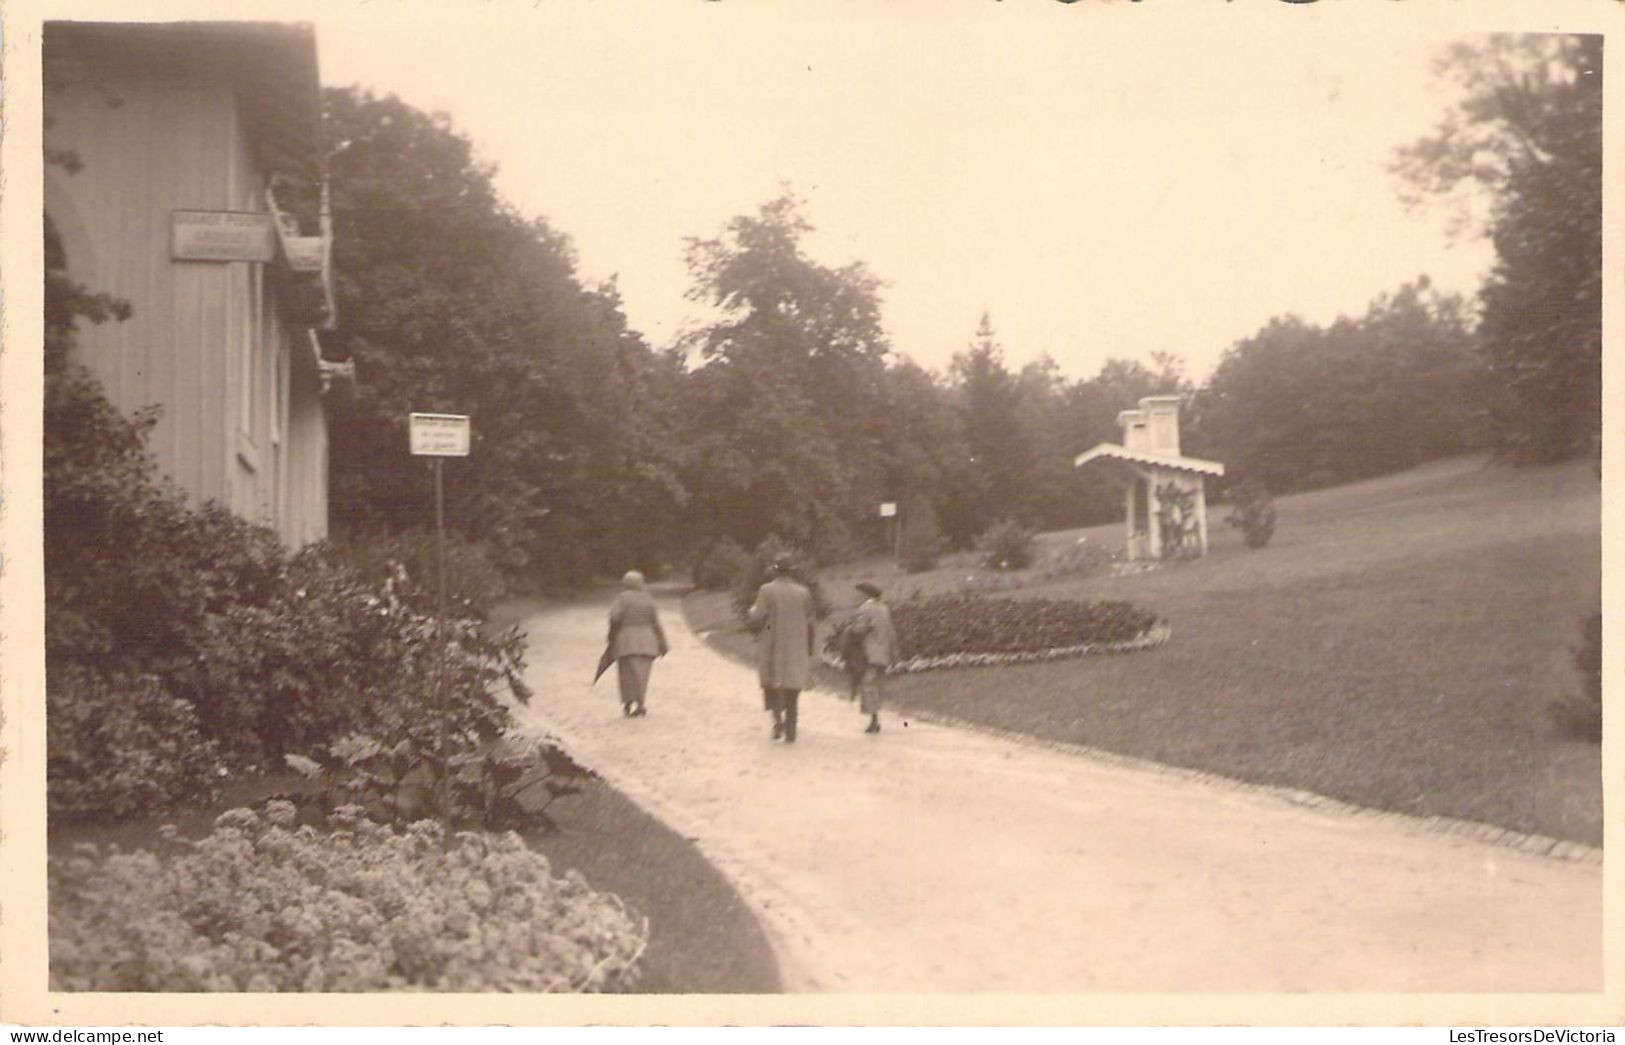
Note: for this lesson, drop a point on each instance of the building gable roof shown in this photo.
(272, 65)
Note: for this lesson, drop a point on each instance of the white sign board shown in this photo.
(439, 435)
(221, 235)
(888, 509)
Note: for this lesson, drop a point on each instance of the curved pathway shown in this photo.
(934, 859)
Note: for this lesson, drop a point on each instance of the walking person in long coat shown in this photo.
(873, 622)
(783, 619)
(635, 640)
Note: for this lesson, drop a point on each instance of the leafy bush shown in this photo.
(940, 625)
(720, 568)
(329, 654)
(759, 573)
(474, 582)
(1006, 545)
(417, 776)
(119, 744)
(273, 654)
(1580, 714)
(922, 540)
(261, 905)
(1253, 513)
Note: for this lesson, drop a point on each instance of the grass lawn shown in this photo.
(702, 938)
(1396, 645)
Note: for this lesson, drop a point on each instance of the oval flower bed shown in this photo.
(958, 630)
(262, 905)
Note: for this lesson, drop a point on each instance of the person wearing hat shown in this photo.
(872, 620)
(784, 621)
(635, 640)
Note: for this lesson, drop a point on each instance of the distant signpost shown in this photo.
(440, 436)
(888, 510)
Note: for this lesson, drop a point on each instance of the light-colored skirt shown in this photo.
(634, 672)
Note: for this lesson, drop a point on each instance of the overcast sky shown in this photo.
(1102, 185)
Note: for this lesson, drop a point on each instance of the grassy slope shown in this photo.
(1396, 645)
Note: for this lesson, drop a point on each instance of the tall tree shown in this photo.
(1001, 454)
(450, 301)
(784, 414)
(1298, 405)
(1528, 133)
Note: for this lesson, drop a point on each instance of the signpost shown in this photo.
(888, 510)
(440, 436)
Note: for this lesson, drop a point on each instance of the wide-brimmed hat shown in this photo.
(783, 564)
(868, 589)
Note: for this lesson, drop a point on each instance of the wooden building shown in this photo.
(184, 174)
(1147, 461)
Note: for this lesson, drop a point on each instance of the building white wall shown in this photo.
(206, 341)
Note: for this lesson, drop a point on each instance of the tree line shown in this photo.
(790, 414)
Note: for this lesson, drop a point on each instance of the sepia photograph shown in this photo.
(822, 513)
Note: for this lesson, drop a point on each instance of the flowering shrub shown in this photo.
(1007, 545)
(150, 598)
(945, 625)
(330, 654)
(262, 905)
(1253, 513)
(473, 581)
(120, 744)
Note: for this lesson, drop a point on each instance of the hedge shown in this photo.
(960, 630)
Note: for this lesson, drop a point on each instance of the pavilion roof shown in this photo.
(1120, 454)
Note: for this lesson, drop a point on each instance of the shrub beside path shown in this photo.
(934, 859)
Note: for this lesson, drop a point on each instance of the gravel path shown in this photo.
(934, 859)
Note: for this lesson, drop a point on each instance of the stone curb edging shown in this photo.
(1472, 830)
(1153, 637)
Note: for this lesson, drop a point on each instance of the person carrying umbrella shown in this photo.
(635, 640)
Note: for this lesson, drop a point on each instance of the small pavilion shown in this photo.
(1149, 458)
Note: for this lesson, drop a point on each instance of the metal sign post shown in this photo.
(888, 510)
(440, 436)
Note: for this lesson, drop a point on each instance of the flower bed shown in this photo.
(945, 631)
(1154, 636)
(261, 905)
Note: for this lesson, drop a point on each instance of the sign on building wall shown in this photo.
(221, 235)
(439, 435)
(888, 509)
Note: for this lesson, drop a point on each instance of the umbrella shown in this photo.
(604, 662)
